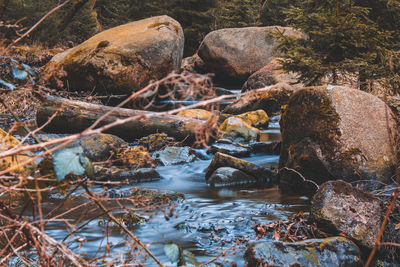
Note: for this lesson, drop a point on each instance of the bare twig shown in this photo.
(2, 53)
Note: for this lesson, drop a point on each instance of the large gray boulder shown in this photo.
(234, 54)
(125, 58)
(334, 132)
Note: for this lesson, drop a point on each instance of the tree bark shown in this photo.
(78, 4)
(76, 116)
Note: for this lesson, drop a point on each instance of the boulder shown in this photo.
(100, 146)
(200, 114)
(125, 58)
(229, 176)
(270, 74)
(173, 155)
(234, 54)
(224, 160)
(237, 130)
(333, 251)
(269, 99)
(333, 132)
(236, 150)
(339, 207)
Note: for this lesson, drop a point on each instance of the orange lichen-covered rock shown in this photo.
(7, 142)
(237, 130)
(258, 118)
(125, 58)
(200, 114)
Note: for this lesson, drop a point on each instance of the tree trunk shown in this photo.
(3, 7)
(78, 4)
(76, 116)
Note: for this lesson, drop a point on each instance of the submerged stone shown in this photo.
(334, 251)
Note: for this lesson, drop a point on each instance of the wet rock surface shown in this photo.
(334, 251)
(229, 176)
(173, 155)
(125, 58)
(333, 132)
(233, 149)
(224, 160)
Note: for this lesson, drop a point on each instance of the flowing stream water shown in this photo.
(206, 221)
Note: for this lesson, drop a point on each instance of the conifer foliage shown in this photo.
(341, 38)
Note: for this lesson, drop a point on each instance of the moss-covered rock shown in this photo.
(270, 100)
(234, 54)
(333, 251)
(237, 130)
(334, 132)
(125, 58)
(156, 141)
(100, 146)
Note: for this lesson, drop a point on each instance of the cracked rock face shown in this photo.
(125, 58)
(339, 207)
